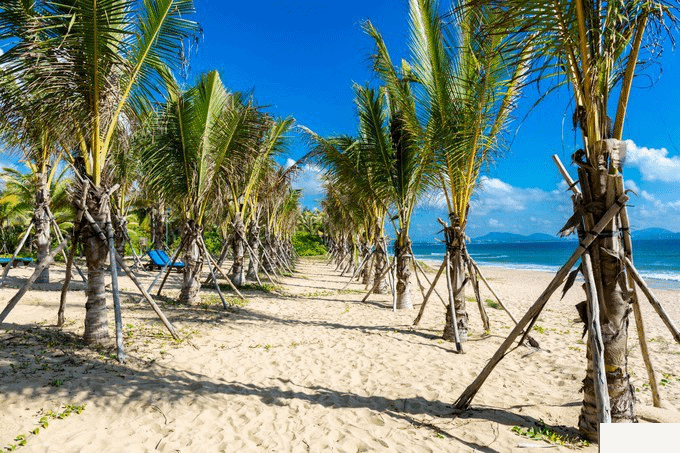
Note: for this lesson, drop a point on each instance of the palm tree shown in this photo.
(595, 47)
(92, 66)
(248, 174)
(188, 160)
(470, 82)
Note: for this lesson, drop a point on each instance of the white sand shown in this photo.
(308, 369)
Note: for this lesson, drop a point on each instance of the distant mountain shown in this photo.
(499, 238)
(655, 233)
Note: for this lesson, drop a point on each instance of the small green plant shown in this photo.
(493, 304)
(543, 432)
(56, 383)
(439, 436)
(539, 329)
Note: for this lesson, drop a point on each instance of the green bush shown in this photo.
(307, 244)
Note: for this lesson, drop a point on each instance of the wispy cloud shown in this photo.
(654, 164)
(308, 179)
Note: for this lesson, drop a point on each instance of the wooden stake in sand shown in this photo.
(9, 265)
(212, 274)
(27, 285)
(451, 306)
(387, 269)
(604, 411)
(466, 397)
(165, 266)
(429, 292)
(120, 353)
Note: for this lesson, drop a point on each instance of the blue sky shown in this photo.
(301, 57)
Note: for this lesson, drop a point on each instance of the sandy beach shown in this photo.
(305, 367)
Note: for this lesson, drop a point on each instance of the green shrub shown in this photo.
(308, 244)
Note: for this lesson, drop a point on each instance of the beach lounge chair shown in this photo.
(25, 261)
(159, 259)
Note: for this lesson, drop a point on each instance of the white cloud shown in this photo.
(308, 179)
(497, 195)
(654, 164)
(630, 185)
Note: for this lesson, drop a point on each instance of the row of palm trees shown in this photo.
(437, 119)
(89, 86)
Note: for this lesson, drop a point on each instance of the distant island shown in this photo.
(497, 237)
(509, 238)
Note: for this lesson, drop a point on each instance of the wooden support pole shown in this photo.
(530, 339)
(654, 301)
(429, 292)
(71, 256)
(16, 252)
(229, 282)
(394, 284)
(466, 397)
(452, 305)
(475, 287)
(387, 269)
(212, 274)
(27, 285)
(120, 352)
(358, 269)
(427, 279)
(60, 238)
(604, 413)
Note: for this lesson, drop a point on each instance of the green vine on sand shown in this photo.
(22, 439)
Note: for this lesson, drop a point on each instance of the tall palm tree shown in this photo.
(596, 48)
(188, 160)
(249, 169)
(470, 81)
(93, 65)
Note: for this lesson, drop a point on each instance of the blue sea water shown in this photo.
(657, 260)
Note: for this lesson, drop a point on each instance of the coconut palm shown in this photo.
(92, 66)
(597, 48)
(187, 159)
(248, 174)
(469, 83)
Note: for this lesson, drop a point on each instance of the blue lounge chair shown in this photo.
(164, 256)
(25, 261)
(159, 259)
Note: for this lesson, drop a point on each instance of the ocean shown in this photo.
(658, 261)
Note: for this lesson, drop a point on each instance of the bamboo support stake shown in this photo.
(654, 301)
(60, 238)
(387, 269)
(429, 292)
(16, 252)
(212, 274)
(169, 268)
(427, 279)
(466, 397)
(596, 344)
(229, 282)
(120, 353)
(74, 243)
(475, 287)
(532, 340)
(358, 269)
(452, 305)
(260, 265)
(394, 284)
(630, 286)
(27, 285)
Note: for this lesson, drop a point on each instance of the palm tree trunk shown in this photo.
(598, 194)
(238, 247)
(119, 227)
(96, 251)
(159, 219)
(379, 278)
(254, 242)
(268, 260)
(455, 242)
(402, 252)
(193, 261)
(41, 221)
